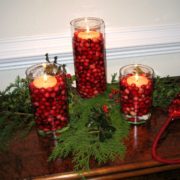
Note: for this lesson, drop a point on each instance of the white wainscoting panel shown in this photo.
(121, 43)
(156, 46)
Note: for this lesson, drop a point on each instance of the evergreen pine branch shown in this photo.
(113, 78)
(83, 145)
(10, 124)
(15, 111)
(16, 97)
(165, 90)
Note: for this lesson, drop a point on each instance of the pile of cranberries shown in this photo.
(50, 104)
(135, 101)
(89, 62)
(174, 108)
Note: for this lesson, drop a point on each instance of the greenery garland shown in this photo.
(15, 111)
(96, 130)
(96, 123)
(165, 90)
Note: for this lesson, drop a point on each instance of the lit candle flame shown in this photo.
(136, 77)
(87, 29)
(45, 77)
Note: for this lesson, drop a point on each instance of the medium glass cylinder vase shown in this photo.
(88, 39)
(136, 89)
(48, 93)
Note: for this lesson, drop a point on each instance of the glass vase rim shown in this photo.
(74, 21)
(135, 65)
(37, 65)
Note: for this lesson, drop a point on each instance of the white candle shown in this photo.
(45, 81)
(138, 80)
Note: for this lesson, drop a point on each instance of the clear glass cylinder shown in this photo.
(136, 89)
(88, 40)
(48, 93)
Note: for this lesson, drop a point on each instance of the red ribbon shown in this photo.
(174, 114)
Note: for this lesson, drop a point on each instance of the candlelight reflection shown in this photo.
(139, 135)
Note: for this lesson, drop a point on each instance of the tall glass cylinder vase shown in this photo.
(136, 89)
(88, 39)
(48, 93)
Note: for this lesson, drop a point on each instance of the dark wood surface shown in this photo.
(27, 158)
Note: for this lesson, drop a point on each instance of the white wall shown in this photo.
(137, 31)
(37, 17)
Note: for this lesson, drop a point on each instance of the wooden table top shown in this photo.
(27, 158)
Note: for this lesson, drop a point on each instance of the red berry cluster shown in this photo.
(105, 108)
(89, 61)
(114, 94)
(135, 101)
(174, 108)
(51, 107)
(68, 76)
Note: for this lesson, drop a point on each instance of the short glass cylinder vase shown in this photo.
(88, 40)
(136, 89)
(48, 93)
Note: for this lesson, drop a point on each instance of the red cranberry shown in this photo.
(88, 62)
(48, 103)
(135, 101)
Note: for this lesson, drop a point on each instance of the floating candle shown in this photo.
(89, 34)
(138, 80)
(45, 81)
